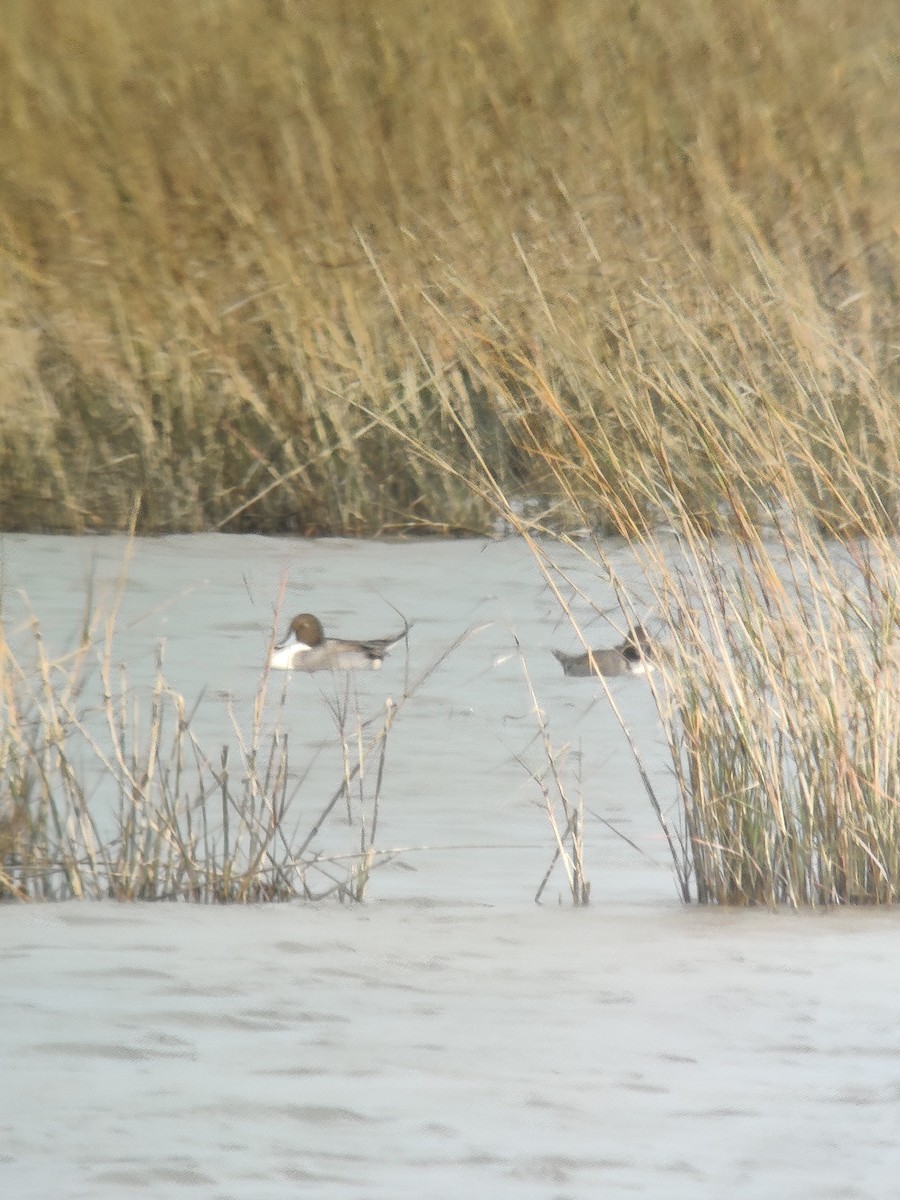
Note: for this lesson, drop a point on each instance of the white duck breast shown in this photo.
(306, 648)
(634, 656)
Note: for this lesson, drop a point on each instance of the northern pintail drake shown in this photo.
(634, 656)
(306, 648)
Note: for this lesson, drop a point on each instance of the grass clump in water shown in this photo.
(780, 694)
(103, 796)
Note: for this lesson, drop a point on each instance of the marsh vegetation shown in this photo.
(566, 270)
(252, 248)
(106, 791)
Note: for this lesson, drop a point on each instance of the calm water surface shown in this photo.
(448, 1037)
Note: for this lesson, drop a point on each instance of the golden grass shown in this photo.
(377, 268)
(248, 243)
(779, 695)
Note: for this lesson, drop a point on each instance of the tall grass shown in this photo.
(375, 268)
(779, 699)
(780, 690)
(108, 793)
(248, 243)
(783, 710)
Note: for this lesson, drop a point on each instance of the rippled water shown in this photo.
(449, 1036)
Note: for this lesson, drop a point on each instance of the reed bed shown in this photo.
(779, 698)
(784, 734)
(249, 243)
(779, 693)
(565, 270)
(107, 793)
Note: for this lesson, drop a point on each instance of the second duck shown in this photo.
(634, 656)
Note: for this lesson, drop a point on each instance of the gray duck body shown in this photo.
(634, 656)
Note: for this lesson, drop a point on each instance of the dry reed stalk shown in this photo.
(178, 825)
(566, 819)
(777, 702)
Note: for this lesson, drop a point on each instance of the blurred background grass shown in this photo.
(277, 265)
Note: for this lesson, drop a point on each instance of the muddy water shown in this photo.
(449, 1037)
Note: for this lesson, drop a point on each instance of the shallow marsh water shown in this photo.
(448, 1037)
